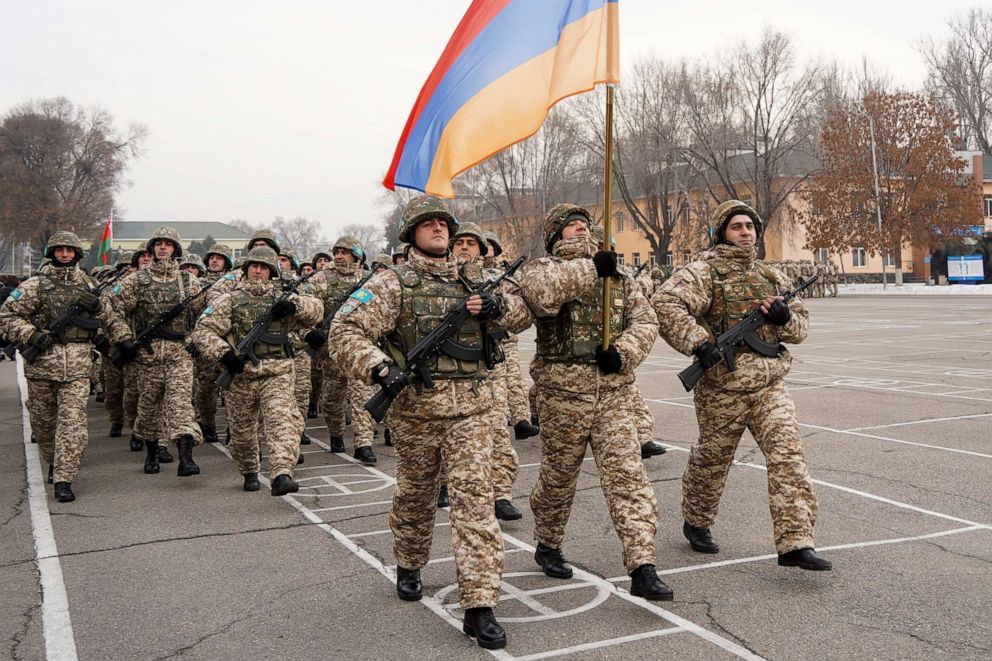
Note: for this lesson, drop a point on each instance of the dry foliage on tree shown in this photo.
(59, 168)
(924, 193)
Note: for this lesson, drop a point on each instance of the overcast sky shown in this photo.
(257, 108)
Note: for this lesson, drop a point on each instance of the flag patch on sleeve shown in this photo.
(362, 295)
(16, 294)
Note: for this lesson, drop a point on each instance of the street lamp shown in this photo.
(878, 192)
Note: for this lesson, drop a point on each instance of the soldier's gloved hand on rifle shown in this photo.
(231, 361)
(286, 308)
(486, 305)
(776, 311)
(192, 350)
(708, 354)
(609, 361)
(89, 302)
(606, 263)
(102, 343)
(128, 350)
(390, 377)
(41, 341)
(316, 339)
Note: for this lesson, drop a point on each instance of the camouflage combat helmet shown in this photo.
(167, 234)
(136, 255)
(239, 263)
(192, 259)
(474, 231)
(124, 259)
(351, 244)
(494, 243)
(265, 235)
(421, 208)
(290, 253)
(224, 251)
(263, 255)
(67, 239)
(400, 251)
(321, 253)
(726, 211)
(383, 260)
(559, 216)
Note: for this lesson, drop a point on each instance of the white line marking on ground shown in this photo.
(920, 422)
(599, 644)
(60, 642)
(387, 531)
(342, 507)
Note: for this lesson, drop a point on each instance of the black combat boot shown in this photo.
(100, 397)
(116, 429)
(442, 496)
(151, 457)
(337, 444)
(284, 484)
(552, 562)
(164, 456)
(505, 511)
(51, 473)
(408, 586)
(700, 539)
(304, 439)
(481, 624)
(186, 465)
(209, 433)
(387, 436)
(299, 459)
(63, 492)
(524, 429)
(251, 482)
(652, 449)
(644, 582)
(804, 559)
(312, 411)
(227, 437)
(366, 455)
(137, 445)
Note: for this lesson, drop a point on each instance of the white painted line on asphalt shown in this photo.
(836, 547)
(342, 507)
(599, 644)
(60, 642)
(451, 558)
(920, 422)
(387, 531)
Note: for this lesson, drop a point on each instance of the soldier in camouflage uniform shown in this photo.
(399, 255)
(58, 380)
(696, 305)
(264, 390)
(587, 395)
(219, 262)
(332, 286)
(165, 373)
(113, 377)
(834, 280)
(289, 267)
(191, 262)
(451, 422)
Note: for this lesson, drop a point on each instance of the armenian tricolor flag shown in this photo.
(507, 63)
(106, 241)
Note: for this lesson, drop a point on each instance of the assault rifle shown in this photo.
(68, 317)
(245, 348)
(418, 360)
(742, 333)
(325, 323)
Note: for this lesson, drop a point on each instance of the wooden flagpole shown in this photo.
(608, 213)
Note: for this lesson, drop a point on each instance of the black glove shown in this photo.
(708, 354)
(232, 362)
(394, 380)
(285, 308)
(606, 263)
(192, 350)
(128, 351)
(609, 360)
(102, 343)
(89, 302)
(492, 306)
(41, 341)
(316, 339)
(778, 313)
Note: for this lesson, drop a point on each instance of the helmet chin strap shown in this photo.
(435, 255)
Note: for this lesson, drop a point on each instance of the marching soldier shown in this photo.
(192, 263)
(695, 306)
(399, 255)
(163, 370)
(266, 388)
(289, 267)
(219, 262)
(58, 380)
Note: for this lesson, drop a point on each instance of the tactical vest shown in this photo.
(245, 311)
(424, 301)
(337, 289)
(155, 298)
(736, 291)
(575, 332)
(56, 296)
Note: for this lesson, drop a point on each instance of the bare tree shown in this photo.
(301, 234)
(961, 73)
(369, 235)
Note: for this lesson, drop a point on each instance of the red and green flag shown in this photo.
(106, 241)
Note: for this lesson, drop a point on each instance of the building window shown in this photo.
(988, 207)
(619, 221)
(668, 258)
(890, 260)
(821, 256)
(686, 257)
(620, 258)
(637, 259)
(858, 258)
(651, 259)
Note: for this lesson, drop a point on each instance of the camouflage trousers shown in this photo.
(770, 415)
(645, 420)
(362, 424)
(570, 422)
(316, 380)
(113, 390)
(516, 391)
(334, 399)
(205, 391)
(532, 396)
(301, 381)
(58, 419)
(130, 395)
(465, 444)
(165, 395)
(269, 400)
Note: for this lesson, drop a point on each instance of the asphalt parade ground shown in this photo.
(894, 396)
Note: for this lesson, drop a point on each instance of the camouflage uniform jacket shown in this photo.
(228, 281)
(334, 282)
(373, 312)
(126, 299)
(60, 362)
(684, 300)
(550, 283)
(211, 335)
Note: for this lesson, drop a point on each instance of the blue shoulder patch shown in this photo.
(207, 311)
(362, 295)
(117, 289)
(229, 276)
(16, 294)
